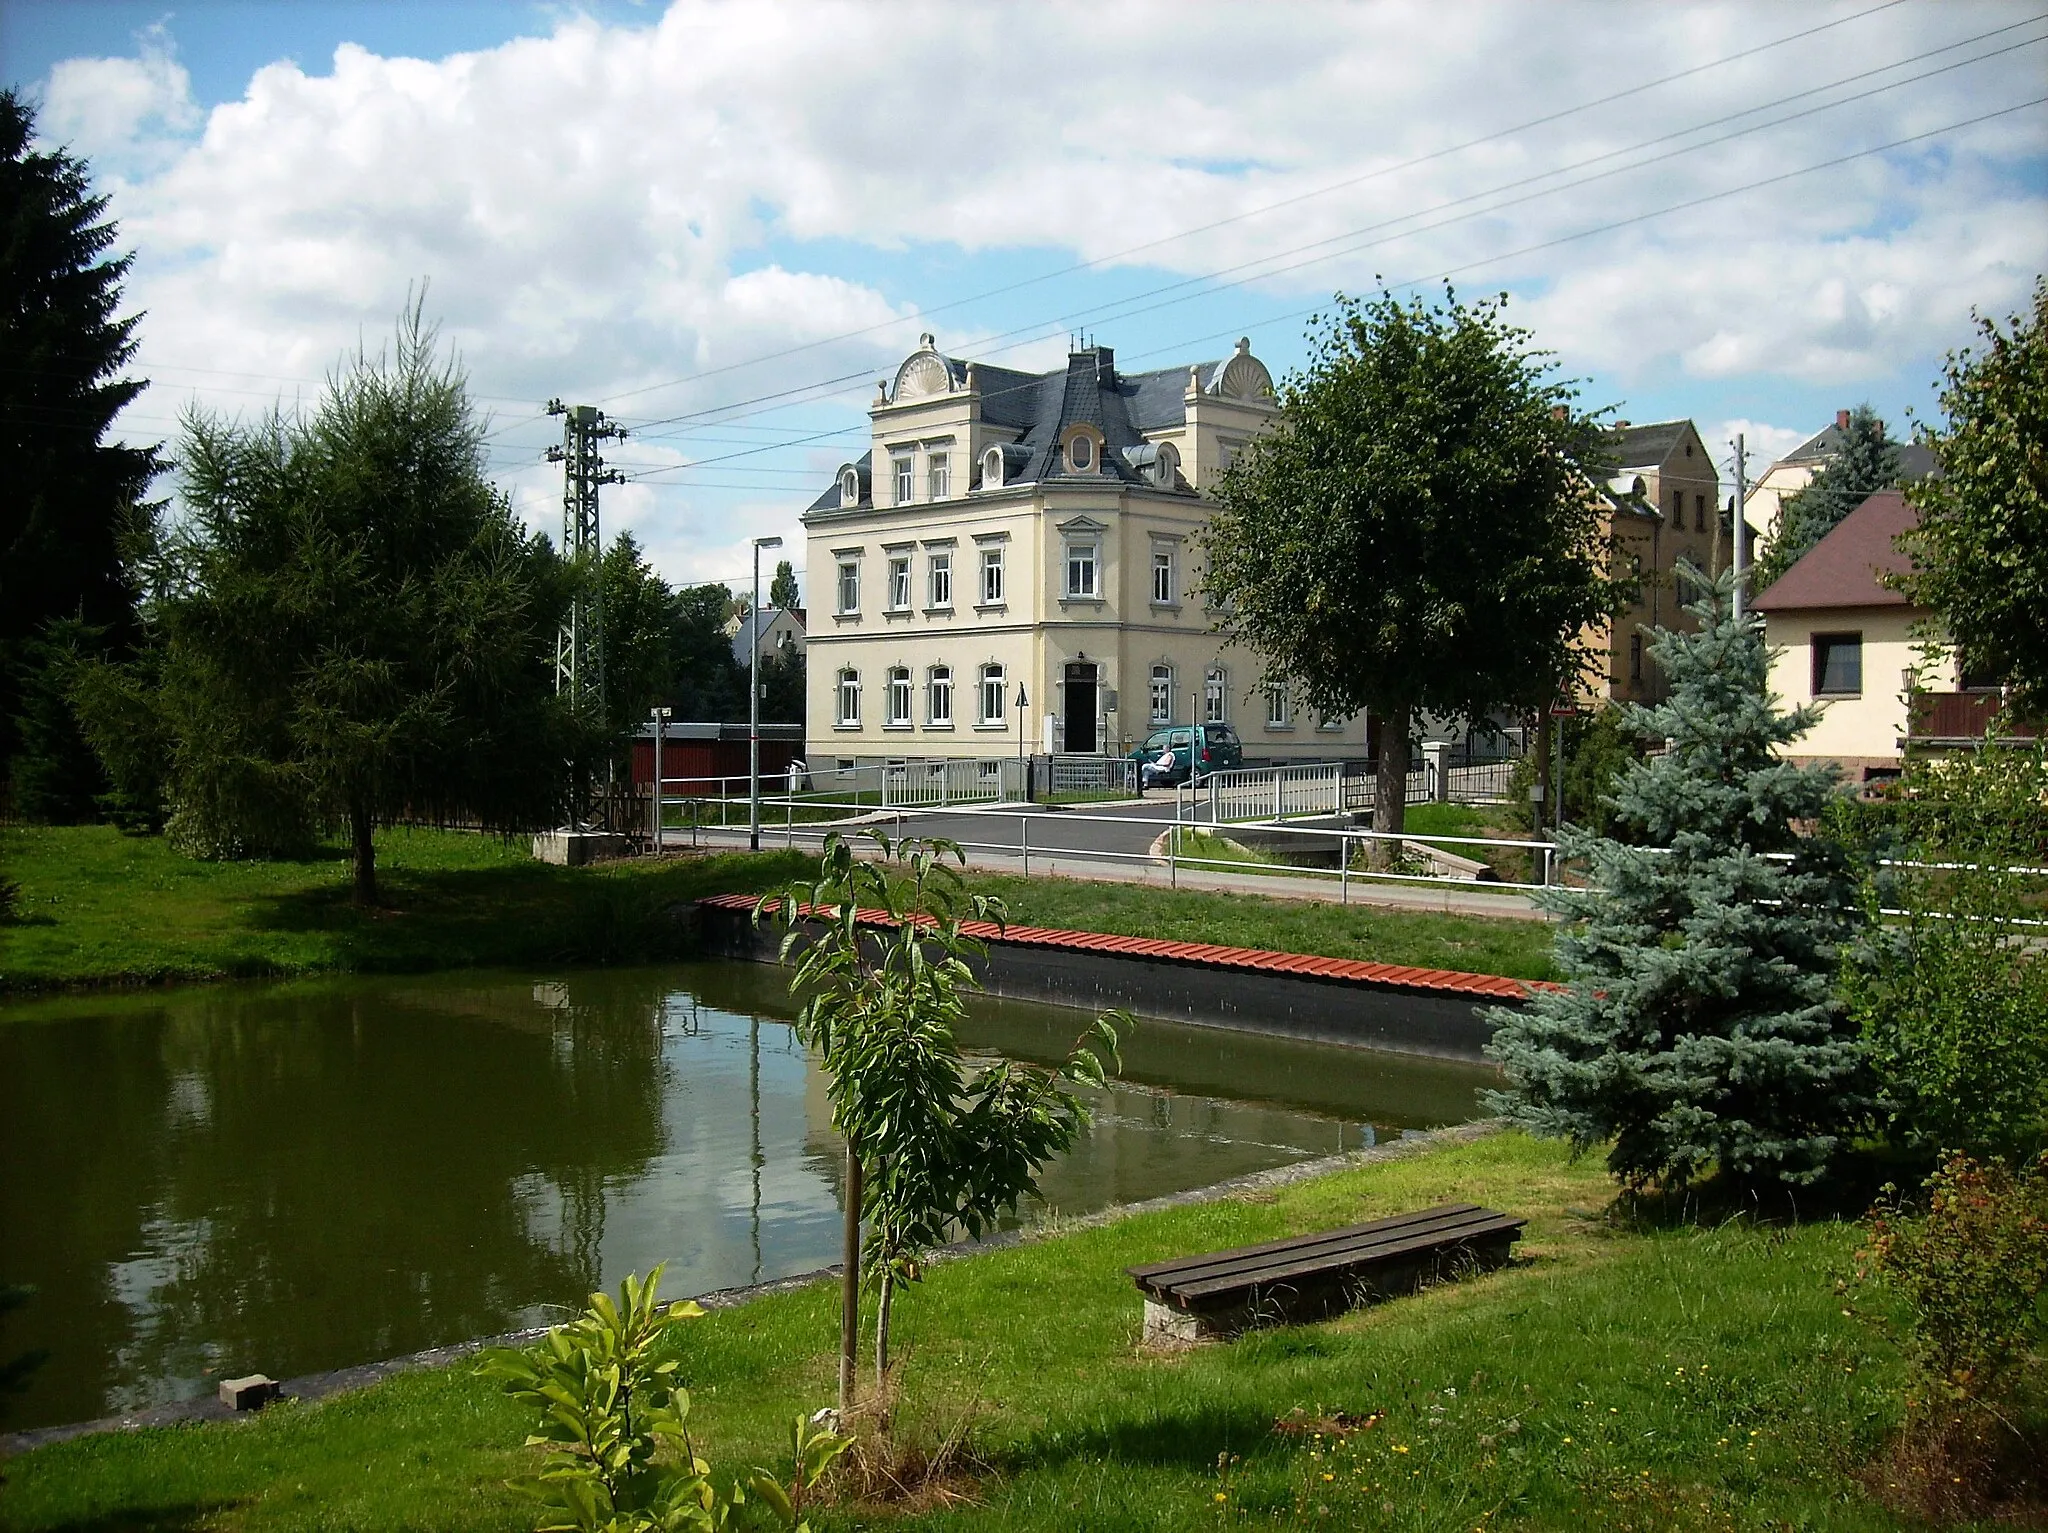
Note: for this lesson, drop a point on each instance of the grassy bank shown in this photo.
(98, 907)
(1622, 1377)
(102, 908)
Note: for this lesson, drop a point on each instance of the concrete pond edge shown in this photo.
(313, 1387)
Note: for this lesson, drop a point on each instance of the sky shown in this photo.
(723, 222)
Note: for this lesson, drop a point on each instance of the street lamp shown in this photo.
(754, 701)
(661, 718)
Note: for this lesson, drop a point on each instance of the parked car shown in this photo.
(1195, 751)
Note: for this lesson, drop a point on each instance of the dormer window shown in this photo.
(1080, 453)
(849, 488)
(992, 469)
(1166, 466)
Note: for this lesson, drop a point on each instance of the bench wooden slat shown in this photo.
(1322, 1267)
(1397, 1223)
(1275, 1265)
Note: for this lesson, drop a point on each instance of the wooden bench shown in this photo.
(1312, 1277)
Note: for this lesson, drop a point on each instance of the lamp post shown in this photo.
(754, 701)
(661, 717)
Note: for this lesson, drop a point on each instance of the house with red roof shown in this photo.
(1845, 639)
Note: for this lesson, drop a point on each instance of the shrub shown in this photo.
(1952, 996)
(1971, 1271)
(615, 1427)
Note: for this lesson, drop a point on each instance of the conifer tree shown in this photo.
(71, 497)
(1699, 1026)
(782, 593)
(1866, 462)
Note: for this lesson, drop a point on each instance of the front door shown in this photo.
(1079, 706)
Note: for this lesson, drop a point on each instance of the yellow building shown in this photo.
(1844, 640)
(1013, 536)
(1662, 504)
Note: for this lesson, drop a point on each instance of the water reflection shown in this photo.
(303, 1176)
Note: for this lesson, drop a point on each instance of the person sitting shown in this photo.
(1156, 774)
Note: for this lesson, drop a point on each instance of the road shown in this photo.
(1113, 842)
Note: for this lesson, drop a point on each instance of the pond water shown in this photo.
(285, 1178)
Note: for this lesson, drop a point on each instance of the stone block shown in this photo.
(248, 1394)
(573, 848)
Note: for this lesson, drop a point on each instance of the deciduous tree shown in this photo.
(1980, 552)
(1420, 531)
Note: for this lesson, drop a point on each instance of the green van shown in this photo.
(1195, 750)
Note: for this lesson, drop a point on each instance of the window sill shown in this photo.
(1166, 606)
(846, 617)
(898, 729)
(896, 612)
(991, 606)
(945, 611)
(1830, 697)
(853, 728)
(991, 729)
(1279, 729)
(1082, 601)
(945, 728)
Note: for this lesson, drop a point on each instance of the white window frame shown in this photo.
(904, 465)
(1279, 708)
(938, 476)
(1084, 554)
(938, 697)
(939, 581)
(896, 703)
(846, 710)
(1216, 696)
(899, 582)
(1161, 699)
(848, 589)
(992, 577)
(1165, 582)
(993, 676)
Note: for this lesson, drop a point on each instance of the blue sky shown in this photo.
(680, 210)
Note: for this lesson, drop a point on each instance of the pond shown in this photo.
(293, 1177)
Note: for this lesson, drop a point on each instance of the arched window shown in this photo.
(849, 488)
(848, 711)
(992, 694)
(1080, 452)
(938, 696)
(1162, 694)
(899, 695)
(992, 469)
(1215, 695)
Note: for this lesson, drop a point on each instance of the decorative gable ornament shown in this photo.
(923, 373)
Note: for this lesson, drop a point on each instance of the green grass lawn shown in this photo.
(1476, 944)
(99, 907)
(1615, 1377)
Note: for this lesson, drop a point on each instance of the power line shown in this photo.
(1409, 164)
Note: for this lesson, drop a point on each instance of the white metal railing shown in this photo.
(1093, 774)
(1362, 791)
(986, 780)
(1275, 793)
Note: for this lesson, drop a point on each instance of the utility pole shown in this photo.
(1741, 489)
(579, 649)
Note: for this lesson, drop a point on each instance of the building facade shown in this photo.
(1012, 567)
(1662, 506)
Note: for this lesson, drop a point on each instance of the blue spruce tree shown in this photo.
(1699, 1026)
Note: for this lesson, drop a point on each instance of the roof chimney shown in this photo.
(1841, 420)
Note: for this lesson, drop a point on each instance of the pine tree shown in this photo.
(70, 499)
(1866, 462)
(1699, 1026)
(782, 593)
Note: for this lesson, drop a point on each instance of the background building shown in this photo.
(1012, 566)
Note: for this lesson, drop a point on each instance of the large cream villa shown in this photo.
(1012, 566)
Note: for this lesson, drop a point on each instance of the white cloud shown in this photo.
(101, 108)
(606, 208)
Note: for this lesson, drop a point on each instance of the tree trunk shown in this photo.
(882, 1305)
(849, 1295)
(363, 852)
(1390, 786)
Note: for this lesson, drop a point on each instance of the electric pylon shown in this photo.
(579, 650)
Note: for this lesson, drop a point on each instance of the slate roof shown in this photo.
(1040, 407)
(1646, 446)
(1916, 461)
(759, 622)
(1841, 570)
